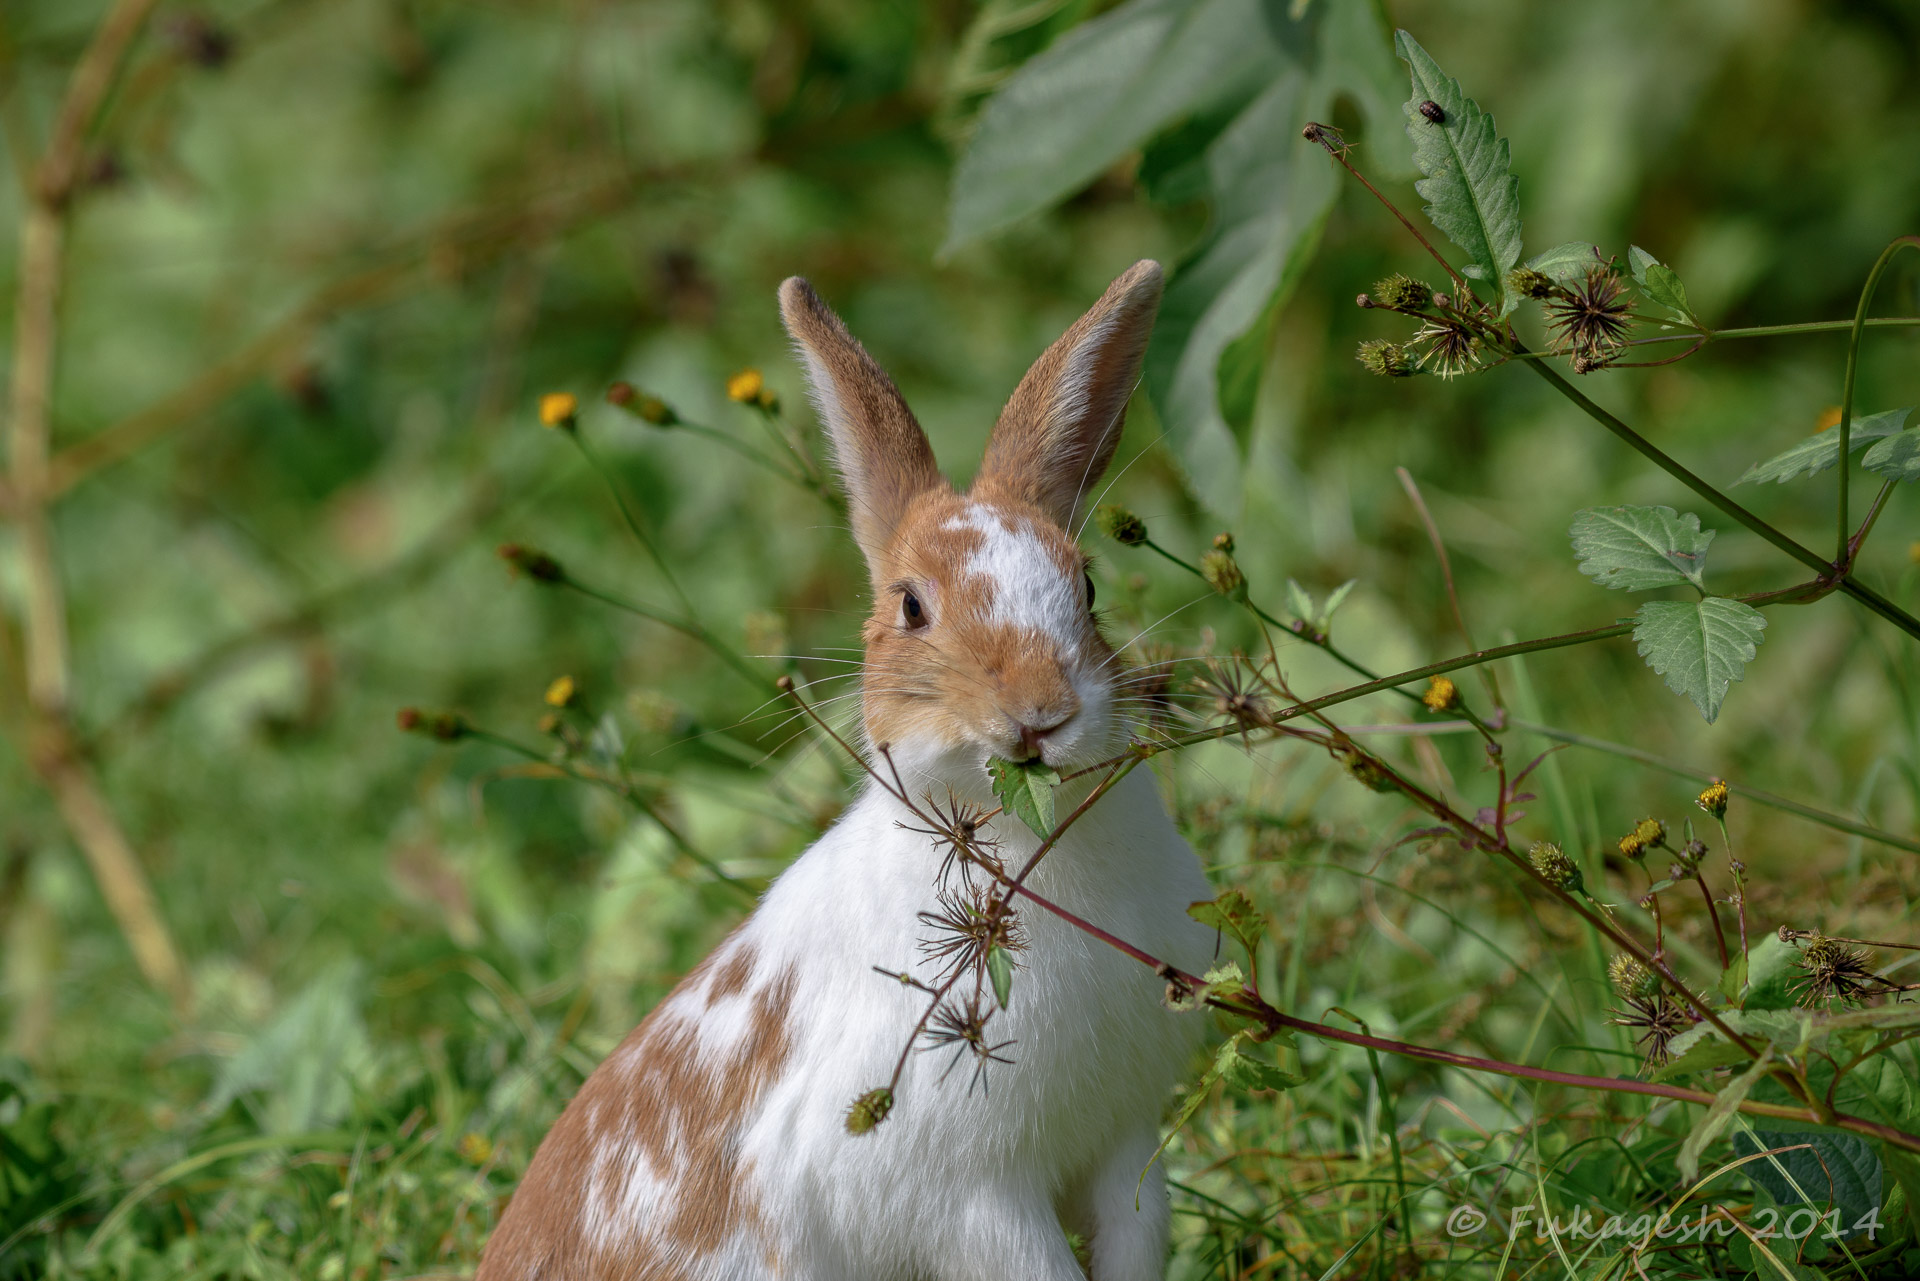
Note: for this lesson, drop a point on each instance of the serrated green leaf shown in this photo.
(1233, 912)
(1897, 457)
(1000, 971)
(1335, 600)
(1242, 1063)
(1471, 193)
(1718, 1115)
(1820, 451)
(1299, 604)
(1634, 548)
(1567, 262)
(1661, 284)
(1699, 646)
(1026, 789)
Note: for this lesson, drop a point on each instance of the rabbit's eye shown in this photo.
(1089, 578)
(912, 611)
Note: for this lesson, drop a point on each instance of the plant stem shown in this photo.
(692, 628)
(1672, 466)
(1853, 367)
(1775, 331)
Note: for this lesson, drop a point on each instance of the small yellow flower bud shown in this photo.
(1223, 541)
(1441, 694)
(475, 1147)
(1631, 846)
(559, 409)
(746, 386)
(1555, 867)
(1651, 831)
(560, 693)
(1714, 799)
(1631, 979)
(1223, 574)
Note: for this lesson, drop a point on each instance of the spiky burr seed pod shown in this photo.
(1223, 574)
(1556, 868)
(1385, 360)
(1529, 283)
(869, 1110)
(1631, 979)
(1403, 293)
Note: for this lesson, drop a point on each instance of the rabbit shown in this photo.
(714, 1142)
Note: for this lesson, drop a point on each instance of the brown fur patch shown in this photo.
(656, 1099)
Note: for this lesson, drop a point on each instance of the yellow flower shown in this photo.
(475, 1147)
(560, 693)
(746, 386)
(1440, 694)
(558, 408)
(1714, 799)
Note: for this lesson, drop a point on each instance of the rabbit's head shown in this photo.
(983, 640)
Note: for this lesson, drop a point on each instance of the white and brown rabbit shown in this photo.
(713, 1143)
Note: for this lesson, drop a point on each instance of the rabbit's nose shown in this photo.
(1031, 736)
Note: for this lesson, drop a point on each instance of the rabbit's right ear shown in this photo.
(882, 454)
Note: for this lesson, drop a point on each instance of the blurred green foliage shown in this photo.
(329, 254)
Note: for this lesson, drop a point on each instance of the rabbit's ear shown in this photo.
(882, 454)
(1058, 433)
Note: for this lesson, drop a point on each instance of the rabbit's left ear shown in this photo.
(1058, 432)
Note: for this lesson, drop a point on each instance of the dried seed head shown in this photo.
(1403, 292)
(1121, 525)
(1714, 799)
(1385, 359)
(1656, 1020)
(1223, 574)
(1631, 979)
(1450, 348)
(1362, 301)
(559, 409)
(1651, 831)
(1441, 694)
(1555, 867)
(1590, 319)
(1692, 852)
(869, 1110)
(1833, 971)
(532, 562)
(1529, 283)
(1582, 363)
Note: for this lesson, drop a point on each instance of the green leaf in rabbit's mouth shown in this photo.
(1026, 789)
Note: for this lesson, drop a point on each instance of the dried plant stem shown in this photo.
(48, 679)
(1446, 573)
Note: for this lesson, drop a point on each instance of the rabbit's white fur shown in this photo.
(713, 1144)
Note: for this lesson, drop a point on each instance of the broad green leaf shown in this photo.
(1897, 457)
(1213, 94)
(1026, 789)
(1660, 284)
(1699, 646)
(1471, 193)
(1820, 451)
(1719, 1114)
(1097, 93)
(1840, 1170)
(1234, 913)
(1704, 1055)
(1634, 548)
(1772, 967)
(1000, 970)
(1567, 262)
